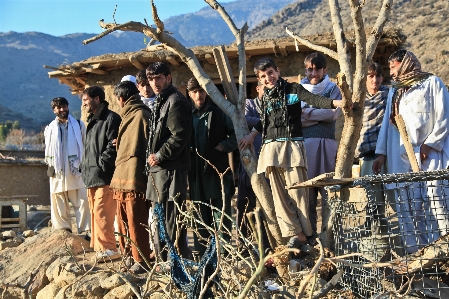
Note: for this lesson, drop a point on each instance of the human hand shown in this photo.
(247, 140)
(114, 142)
(152, 160)
(377, 164)
(219, 147)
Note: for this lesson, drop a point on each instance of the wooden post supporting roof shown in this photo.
(225, 71)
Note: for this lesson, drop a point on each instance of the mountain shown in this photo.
(25, 86)
(424, 23)
(206, 27)
(26, 89)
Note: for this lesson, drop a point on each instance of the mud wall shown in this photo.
(23, 177)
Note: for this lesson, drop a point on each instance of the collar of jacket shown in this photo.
(133, 103)
(103, 106)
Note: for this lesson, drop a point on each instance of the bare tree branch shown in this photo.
(344, 54)
(312, 46)
(376, 32)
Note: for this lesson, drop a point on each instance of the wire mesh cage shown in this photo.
(395, 229)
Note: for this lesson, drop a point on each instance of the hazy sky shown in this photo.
(60, 17)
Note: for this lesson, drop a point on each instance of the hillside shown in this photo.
(25, 87)
(206, 27)
(424, 23)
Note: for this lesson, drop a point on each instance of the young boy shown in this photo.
(282, 156)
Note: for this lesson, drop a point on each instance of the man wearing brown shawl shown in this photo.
(423, 101)
(129, 181)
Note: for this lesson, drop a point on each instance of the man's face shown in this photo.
(315, 75)
(159, 83)
(373, 82)
(198, 97)
(394, 68)
(91, 104)
(269, 77)
(145, 90)
(62, 112)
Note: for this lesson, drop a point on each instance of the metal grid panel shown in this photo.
(400, 222)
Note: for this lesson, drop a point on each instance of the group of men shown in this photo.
(144, 158)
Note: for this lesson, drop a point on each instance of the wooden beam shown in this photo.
(225, 71)
(172, 60)
(134, 59)
(94, 71)
(209, 58)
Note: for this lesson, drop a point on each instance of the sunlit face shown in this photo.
(159, 82)
(62, 112)
(145, 90)
(269, 77)
(198, 97)
(91, 104)
(394, 68)
(315, 75)
(373, 82)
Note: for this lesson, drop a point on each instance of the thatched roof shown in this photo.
(74, 75)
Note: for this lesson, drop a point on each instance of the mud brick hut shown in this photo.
(107, 70)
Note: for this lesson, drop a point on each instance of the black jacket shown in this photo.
(170, 131)
(99, 154)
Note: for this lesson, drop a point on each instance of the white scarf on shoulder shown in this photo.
(53, 147)
(318, 89)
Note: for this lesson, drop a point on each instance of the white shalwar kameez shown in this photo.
(67, 187)
(423, 207)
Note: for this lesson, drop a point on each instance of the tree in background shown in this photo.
(7, 127)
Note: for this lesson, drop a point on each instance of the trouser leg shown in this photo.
(103, 210)
(60, 211)
(80, 204)
(286, 210)
(299, 196)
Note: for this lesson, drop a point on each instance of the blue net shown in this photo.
(188, 283)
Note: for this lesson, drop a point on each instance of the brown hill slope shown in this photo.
(425, 23)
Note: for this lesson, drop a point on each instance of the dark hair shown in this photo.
(398, 56)
(193, 84)
(157, 68)
(59, 101)
(125, 90)
(316, 59)
(264, 63)
(374, 67)
(141, 76)
(95, 91)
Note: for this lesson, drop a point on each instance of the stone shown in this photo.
(9, 234)
(39, 282)
(49, 291)
(112, 282)
(89, 286)
(28, 233)
(55, 264)
(8, 244)
(121, 292)
(63, 277)
(17, 239)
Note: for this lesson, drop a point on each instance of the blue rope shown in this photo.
(189, 284)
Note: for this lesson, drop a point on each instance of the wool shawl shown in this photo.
(132, 139)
